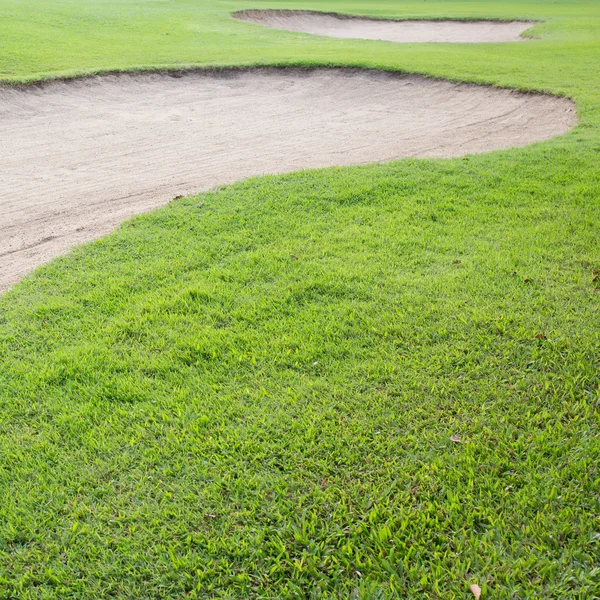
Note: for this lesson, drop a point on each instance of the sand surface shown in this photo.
(348, 26)
(79, 157)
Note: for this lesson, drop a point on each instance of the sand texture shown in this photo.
(348, 26)
(78, 157)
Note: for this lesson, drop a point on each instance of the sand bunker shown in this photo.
(349, 26)
(78, 157)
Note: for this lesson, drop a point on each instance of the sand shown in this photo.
(78, 157)
(349, 26)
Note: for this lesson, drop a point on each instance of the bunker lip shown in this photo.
(340, 25)
(80, 156)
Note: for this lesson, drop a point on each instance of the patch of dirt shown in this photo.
(410, 31)
(78, 157)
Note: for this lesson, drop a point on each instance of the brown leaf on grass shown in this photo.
(541, 336)
(456, 438)
(476, 591)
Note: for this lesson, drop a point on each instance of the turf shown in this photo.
(377, 382)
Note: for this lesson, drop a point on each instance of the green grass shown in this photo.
(251, 393)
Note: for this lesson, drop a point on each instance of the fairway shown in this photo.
(360, 381)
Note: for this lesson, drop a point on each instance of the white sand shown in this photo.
(79, 157)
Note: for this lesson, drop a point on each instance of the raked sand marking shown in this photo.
(350, 26)
(79, 157)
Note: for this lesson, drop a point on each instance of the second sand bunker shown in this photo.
(410, 31)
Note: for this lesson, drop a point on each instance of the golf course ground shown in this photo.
(375, 381)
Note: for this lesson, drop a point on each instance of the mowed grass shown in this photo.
(377, 382)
